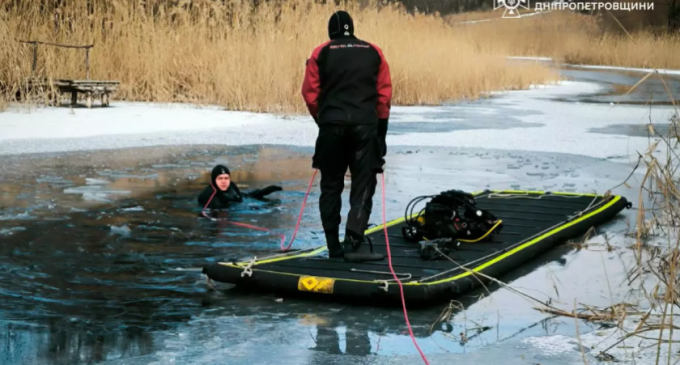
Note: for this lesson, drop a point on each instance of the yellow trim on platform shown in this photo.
(321, 249)
(313, 252)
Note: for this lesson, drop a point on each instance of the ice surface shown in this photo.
(24, 215)
(530, 58)
(563, 126)
(634, 350)
(121, 118)
(133, 209)
(10, 231)
(91, 181)
(95, 192)
(633, 69)
(124, 231)
(552, 345)
(54, 180)
(662, 71)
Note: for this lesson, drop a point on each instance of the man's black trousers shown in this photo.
(337, 148)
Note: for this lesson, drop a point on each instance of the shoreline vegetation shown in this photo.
(249, 57)
(572, 38)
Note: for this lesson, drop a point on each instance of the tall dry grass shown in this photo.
(241, 57)
(657, 249)
(572, 38)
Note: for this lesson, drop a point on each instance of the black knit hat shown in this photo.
(340, 24)
(217, 171)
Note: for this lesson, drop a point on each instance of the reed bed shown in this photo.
(240, 56)
(571, 38)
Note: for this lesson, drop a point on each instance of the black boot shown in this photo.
(333, 243)
(352, 241)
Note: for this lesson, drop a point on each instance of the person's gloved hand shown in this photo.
(382, 144)
(382, 132)
(382, 127)
(260, 193)
(380, 169)
(270, 189)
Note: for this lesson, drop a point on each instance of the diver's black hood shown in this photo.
(340, 25)
(215, 198)
(217, 171)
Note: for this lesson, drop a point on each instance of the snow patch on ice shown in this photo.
(92, 181)
(55, 180)
(133, 209)
(551, 345)
(633, 69)
(125, 118)
(10, 231)
(636, 350)
(530, 58)
(124, 230)
(20, 216)
(663, 71)
(95, 192)
(557, 127)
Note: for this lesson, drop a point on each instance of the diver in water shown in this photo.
(222, 191)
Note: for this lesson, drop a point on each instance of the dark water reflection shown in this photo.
(236, 322)
(92, 253)
(617, 86)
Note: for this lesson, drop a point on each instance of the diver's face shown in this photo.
(223, 182)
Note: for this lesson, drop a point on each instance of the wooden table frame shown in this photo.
(91, 88)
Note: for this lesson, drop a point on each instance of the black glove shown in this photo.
(382, 127)
(270, 189)
(260, 193)
(382, 133)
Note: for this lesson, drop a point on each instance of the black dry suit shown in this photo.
(222, 199)
(348, 91)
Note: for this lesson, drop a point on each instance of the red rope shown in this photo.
(283, 237)
(297, 227)
(389, 261)
(302, 209)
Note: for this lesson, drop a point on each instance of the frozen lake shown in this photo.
(99, 228)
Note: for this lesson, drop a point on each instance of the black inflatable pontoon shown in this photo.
(533, 222)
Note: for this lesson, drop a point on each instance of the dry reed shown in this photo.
(656, 248)
(241, 57)
(571, 38)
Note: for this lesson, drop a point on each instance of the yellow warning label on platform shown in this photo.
(316, 284)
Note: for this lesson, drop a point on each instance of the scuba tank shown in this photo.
(452, 214)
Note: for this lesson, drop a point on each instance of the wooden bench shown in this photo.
(91, 88)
